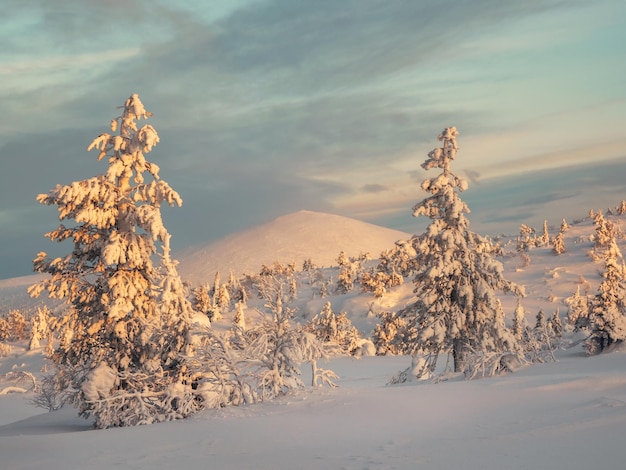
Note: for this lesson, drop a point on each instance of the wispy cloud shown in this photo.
(270, 106)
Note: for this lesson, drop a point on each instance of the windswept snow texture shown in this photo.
(290, 238)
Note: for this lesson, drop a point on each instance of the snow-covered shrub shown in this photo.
(389, 335)
(21, 382)
(350, 268)
(244, 366)
(379, 282)
(266, 356)
(17, 325)
(578, 313)
(456, 311)
(239, 319)
(276, 282)
(281, 349)
(128, 398)
(121, 342)
(555, 326)
(393, 265)
(519, 321)
(235, 290)
(558, 245)
(527, 238)
(201, 300)
(605, 234)
(538, 343)
(602, 316)
(401, 259)
(544, 240)
(40, 328)
(48, 396)
(4, 329)
(222, 373)
(221, 300)
(335, 329)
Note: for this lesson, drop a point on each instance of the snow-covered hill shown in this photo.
(290, 238)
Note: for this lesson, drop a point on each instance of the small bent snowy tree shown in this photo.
(128, 322)
(456, 311)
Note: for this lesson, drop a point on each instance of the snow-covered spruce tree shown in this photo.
(40, 328)
(236, 292)
(520, 324)
(605, 234)
(558, 244)
(239, 319)
(577, 317)
(456, 311)
(201, 300)
(526, 239)
(555, 326)
(606, 322)
(128, 321)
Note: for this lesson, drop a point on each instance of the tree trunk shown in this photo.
(458, 355)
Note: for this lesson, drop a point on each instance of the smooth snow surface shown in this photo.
(564, 415)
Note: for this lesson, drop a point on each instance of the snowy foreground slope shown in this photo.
(564, 415)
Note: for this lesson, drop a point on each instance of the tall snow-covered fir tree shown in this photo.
(606, 321)
(456, 311)
(130, 320)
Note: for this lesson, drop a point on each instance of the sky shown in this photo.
(267, 107)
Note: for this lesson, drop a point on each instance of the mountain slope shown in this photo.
(290, 238)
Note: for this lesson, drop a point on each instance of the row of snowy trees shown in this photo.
(600, 316)
(603, 316)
